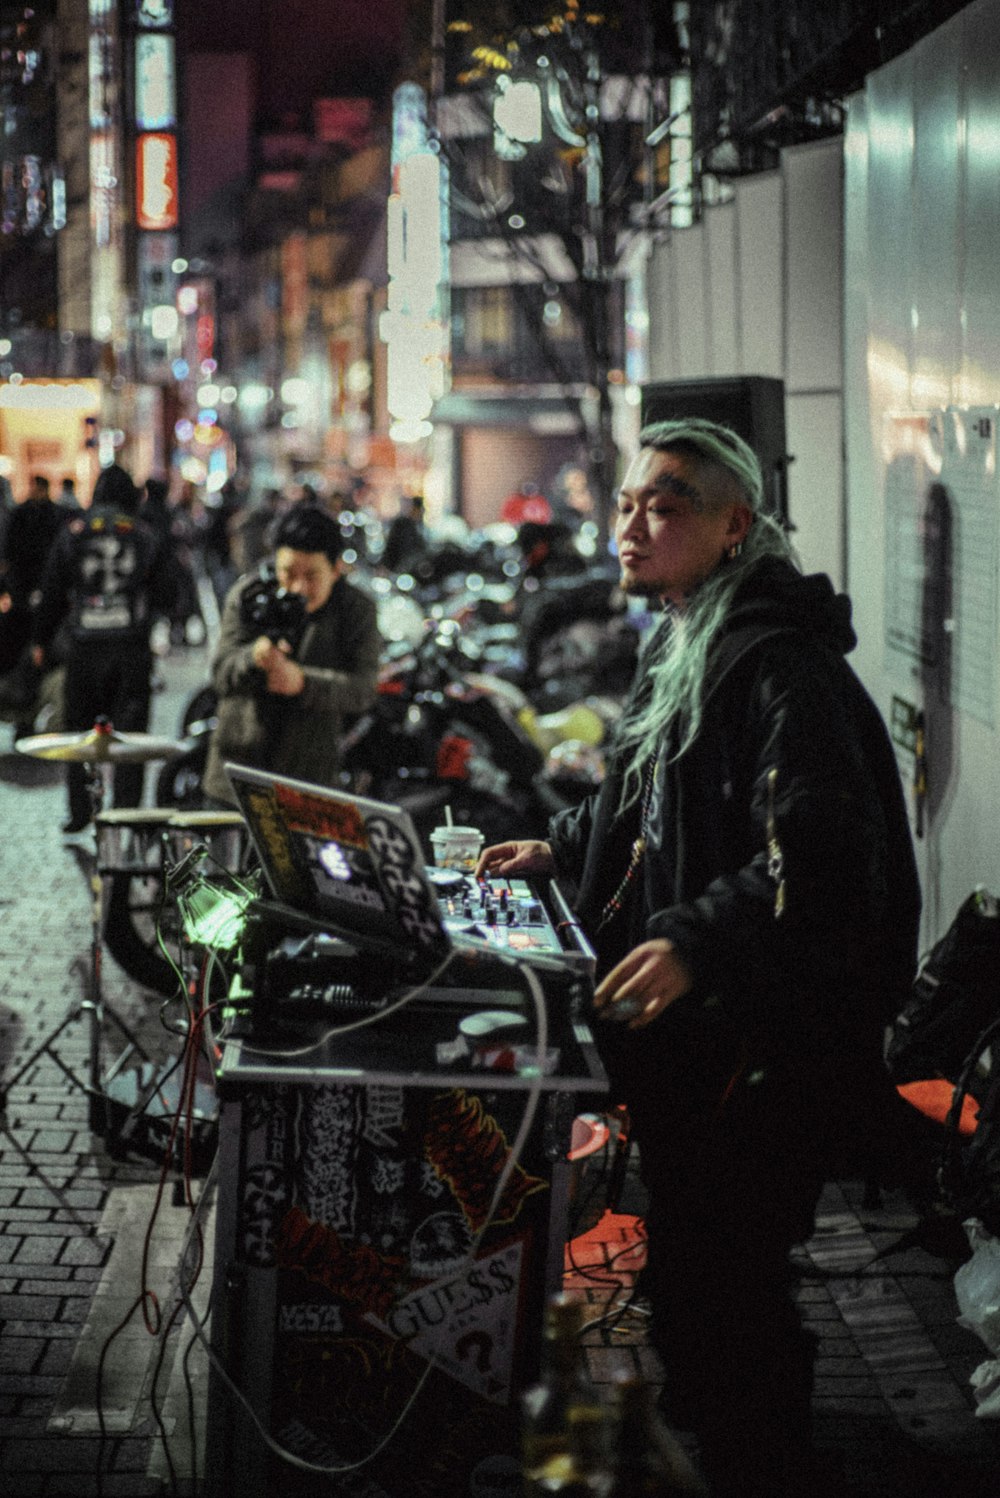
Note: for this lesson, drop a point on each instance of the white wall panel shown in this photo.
(720, 304)
(979, 380)
(814, 291)
(888, 275)
(723, 327)
(937, 194)
(691, 353)
(814, 426)
(859, 448)
(761, 271)
(663, 361)
(922, 205)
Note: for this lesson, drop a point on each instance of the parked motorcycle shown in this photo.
(462, 722)
(440, 738)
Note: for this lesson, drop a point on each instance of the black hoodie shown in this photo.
(778, 860)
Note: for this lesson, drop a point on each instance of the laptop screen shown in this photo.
(355, 865)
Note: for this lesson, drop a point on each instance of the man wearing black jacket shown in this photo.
(30, 534)
(106, 582)
(747, 877)
(283, 702)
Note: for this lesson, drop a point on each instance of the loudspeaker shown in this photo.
(752, 405)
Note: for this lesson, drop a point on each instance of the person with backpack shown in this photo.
(746, 875)
(104, 585)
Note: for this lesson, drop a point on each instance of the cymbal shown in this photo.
(99, 746)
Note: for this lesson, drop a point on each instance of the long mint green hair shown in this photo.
(671, 702)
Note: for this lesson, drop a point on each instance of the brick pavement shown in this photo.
(892, 1406)
(56, 1178)
(892, 1397)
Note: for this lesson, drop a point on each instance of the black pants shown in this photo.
(110, 680)
(729, 1196)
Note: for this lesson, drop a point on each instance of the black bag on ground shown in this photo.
(970, 1172)
(955, 996)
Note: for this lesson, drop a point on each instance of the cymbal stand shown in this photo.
(92, 1004)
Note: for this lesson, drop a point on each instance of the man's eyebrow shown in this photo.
(674, 485)
(669, 483)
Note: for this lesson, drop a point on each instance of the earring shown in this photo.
(734, 550)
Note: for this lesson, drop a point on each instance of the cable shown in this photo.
(160, 940)
(185, 1110)
(147, 1298)
(358, 1024)
(189, 1391)
(99, 1392)
(597, 1274)
(582, 1206)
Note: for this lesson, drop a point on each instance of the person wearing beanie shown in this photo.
(104, 586)
(746, 876)
(298, 651)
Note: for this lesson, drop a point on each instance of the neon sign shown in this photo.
(156, 180)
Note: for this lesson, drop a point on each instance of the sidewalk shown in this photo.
(892, 1396)
(56, 1180)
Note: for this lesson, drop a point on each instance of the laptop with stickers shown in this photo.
(355, 867)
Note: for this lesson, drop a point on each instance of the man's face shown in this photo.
(309, 574)
(675, 523)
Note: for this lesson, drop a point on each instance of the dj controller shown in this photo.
(507, 915)
(302, 978)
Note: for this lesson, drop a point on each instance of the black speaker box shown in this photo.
(752, 405)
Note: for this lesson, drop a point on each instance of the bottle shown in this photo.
(647, 1460)
(564, 1418)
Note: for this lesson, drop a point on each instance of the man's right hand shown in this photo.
(263, 651)
(528, 857)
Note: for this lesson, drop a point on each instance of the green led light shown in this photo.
(213, 917)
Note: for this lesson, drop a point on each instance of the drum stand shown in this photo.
(92, 1006)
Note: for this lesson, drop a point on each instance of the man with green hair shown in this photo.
(746, 875)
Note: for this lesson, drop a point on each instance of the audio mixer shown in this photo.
(505, 915)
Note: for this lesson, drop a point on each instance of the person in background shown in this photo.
(282, 700)
(154, 510)
(526, 505)
(746, 876)
(68, 497)
(187, 530)
(30, 534)
(572, 501)
(8, 504)
(103, 587)
(406, 538)
(254, 529)
(222, 512)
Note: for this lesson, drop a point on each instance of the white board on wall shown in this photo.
(942, 509)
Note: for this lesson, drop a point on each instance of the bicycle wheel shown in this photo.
(134, 910)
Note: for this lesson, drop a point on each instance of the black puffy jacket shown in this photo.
(779, 862)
